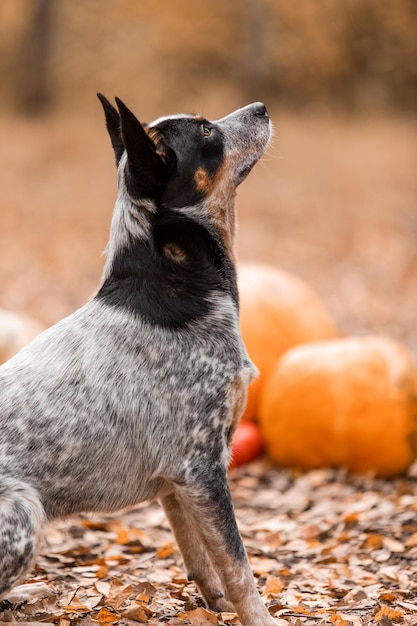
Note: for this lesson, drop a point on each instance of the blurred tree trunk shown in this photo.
(254, 67)
(33, 88)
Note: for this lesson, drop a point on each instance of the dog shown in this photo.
(136, 395)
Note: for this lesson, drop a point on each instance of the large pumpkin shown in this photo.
(15, 332)
(349, 402)
(277, 311)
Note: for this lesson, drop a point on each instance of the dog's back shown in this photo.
(136, 395)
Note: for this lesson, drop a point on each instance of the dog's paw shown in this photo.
(211, 592)
(219, 604)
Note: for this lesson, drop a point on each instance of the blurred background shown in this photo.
(333, 201)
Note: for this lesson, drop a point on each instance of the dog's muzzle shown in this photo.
(247, 132)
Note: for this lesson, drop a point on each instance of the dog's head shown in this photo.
(188, 163)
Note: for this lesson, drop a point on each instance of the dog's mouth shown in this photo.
(245, 172)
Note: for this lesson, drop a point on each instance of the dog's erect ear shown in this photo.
(147, 164)
(113, 127)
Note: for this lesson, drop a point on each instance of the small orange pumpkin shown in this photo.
(277, 311)
(348, 402)
(15, 332)
(247, 444)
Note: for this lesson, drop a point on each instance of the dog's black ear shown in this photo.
(147, 165)
(113, 127)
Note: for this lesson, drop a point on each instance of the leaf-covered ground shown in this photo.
(327, 548)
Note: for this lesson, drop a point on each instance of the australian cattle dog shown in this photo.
(152, 372)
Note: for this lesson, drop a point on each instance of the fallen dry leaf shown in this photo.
(118, 593)
(202, 617)
(76, 606)
(136, 612)
(393, 545)
(165, 551)
(105, 616)
(30, 592)
(273, 587)
(26, 623)
(395, 615)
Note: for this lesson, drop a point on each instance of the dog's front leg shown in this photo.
(196, 559)
(210, 514)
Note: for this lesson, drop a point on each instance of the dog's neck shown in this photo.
(132, 221)
(220, 217)
(129, 222)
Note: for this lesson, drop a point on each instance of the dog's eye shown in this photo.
(206, 130)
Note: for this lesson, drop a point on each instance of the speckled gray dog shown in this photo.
(136, 395)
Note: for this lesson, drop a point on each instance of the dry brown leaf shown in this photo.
(122, 536)
(102, 572)
(102, 587)
(299, 608)
(373, 542)
(136, 612)
(387, 596)
(310, 532)
(393, 545)
(394, 614)
(30, 592)
(284, 571)
(338, 620)
(104, 616)
(351, 518)
(351, 619)
(273, 587)
(410, 606)
(118, 593)
(411, 542)
(146, 592)
(76, 606)
(165, 551)
(202, 617)
(262, 566)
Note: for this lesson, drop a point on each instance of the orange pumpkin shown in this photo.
(277, 312)
(348, 402)
(15, 332)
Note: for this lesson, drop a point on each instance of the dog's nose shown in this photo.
(260, 109)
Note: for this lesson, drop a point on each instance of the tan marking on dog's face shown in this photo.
(203, 180)
(175, 252)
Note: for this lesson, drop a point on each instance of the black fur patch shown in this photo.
(193, 150)
(149, 282)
